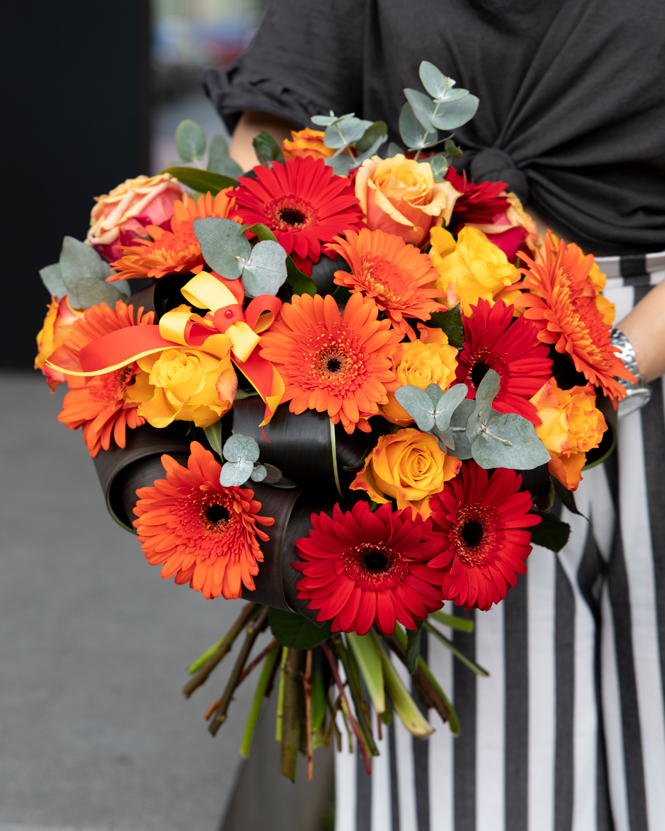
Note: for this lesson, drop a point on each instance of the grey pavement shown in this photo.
(94, 731)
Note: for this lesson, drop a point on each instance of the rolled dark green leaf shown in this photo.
(201, 180)
(295, 631)
(552, 533)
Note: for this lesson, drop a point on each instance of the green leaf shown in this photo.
(52, 279)
(422, 106)
(221, 246)
(265, 271)
(434, 81)
(485, 394)
(300, 283)
(413, 134)
(460, 623)
(235, 474)
(259, 473)
(472, 665)
(201, 180)
(295, 631)
(370, 666)
(394, 150)
(509, 441)
(319, 700)
(214, 437)
(418, 405)
(567, 497)
(439, 165)
(341, 165)
(343, 132)
(342, 294)
(190, 140)
(447, 404)
(453, 114)
(552, 533)
(219, 149)
(241, 448)
(434, 392)
(84, 274)
(372, 138)
(413, 647)
(452, 150)
(450, 322)
(227, 167)
(267, 150)
(273, 474)
(257, 701)
(460, 419)
(325, 120)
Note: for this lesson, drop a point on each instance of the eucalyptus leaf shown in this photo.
(372, 138)
(413, 647)
(551, 533)
(413, 134)
(235, 474)
(296, 632)
(460, 417)
(84, 274)
(485, 394)
(267, 149)
(447, 404)
(203, 181)
(394, 150)
(422, 106)
(343, 132)
(265, 271)
(219, 149)
(434, 392)
(52, 279)
(190, 140)
(453, 114)
(450, 322)
(325, 120)
(452, 149)
(418, 405)
(91, 292)
(241, 448)
(299, 281)
(439, 165)
(225, 166)
(273, 474)
(342, 164)
(434, 81)
(214, 437)
(259, 473)
(509, 441)
(221, 246)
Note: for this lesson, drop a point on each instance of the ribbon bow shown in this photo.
(224, 328)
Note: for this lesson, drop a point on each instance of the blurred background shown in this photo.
(94, 731)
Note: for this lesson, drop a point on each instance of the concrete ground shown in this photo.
(94, 731)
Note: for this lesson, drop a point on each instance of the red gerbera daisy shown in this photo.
(98, 404)
(362, 568)
(481, 522)
(477, 204)
(201, 532)
(494, 340)
(302, 202)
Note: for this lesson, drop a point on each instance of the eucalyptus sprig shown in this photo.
(353, 139)
(471, 429)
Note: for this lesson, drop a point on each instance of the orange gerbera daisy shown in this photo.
(397, 276)
(332, 362)
(176, 250)
(200, 532)
(561, 301)
(98, 404)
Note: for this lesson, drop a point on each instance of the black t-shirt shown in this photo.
(572, 94)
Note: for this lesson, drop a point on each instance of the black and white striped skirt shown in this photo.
(568, 732)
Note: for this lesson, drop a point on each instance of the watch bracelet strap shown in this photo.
(638, 392)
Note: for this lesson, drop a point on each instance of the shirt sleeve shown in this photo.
(306, 58)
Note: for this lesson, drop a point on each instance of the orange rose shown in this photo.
(58, 323)
(306, 143)
(400, 196)
(571, 425)
(127, 210)
(409, 467)
(430, 360)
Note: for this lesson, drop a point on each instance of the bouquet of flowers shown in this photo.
(347, 387)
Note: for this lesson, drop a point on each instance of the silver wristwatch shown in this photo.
(638, 394)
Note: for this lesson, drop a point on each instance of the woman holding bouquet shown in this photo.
(568, 732)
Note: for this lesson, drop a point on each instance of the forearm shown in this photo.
(644, 327)
(249, 126)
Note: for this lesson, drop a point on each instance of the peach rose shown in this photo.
(571, 425)
(471, 268)
(58, 323)
(400, 196)
(409, 467)
(127, 210)
(430, 360)
(306, 143)
(184, 384)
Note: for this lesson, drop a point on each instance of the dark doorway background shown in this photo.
(75, 122)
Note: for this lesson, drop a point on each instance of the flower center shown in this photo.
(290, 213)
(481, 361)
(478, 535)
(375, 566)
(217, 514)
(332, 363)
(112, 386)
(375, 559)
(292, 216)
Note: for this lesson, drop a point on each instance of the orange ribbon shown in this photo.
(225, 327)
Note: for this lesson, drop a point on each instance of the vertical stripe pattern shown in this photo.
(568, 732)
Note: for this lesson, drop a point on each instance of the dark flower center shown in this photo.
(375, 566)
(332, 363)
(478, 372)
(217, 514)
(472, 533)
(375, 559)
(291, 216)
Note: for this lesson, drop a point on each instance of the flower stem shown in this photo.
(307, 687)
(353, 680)
(292, 714)
(261, 687)
(456, 652)
(209, 660)
(257, 660)
(280, 696)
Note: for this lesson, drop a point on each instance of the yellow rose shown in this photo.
(306, 143)
(58, 323)
(409, 467)
(184, 384)
(471, 268)
(571, 425)
(127, 210)
(430, 360)
(399, 196)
